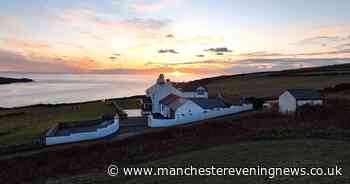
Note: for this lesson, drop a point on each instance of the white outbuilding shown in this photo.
(291, 99)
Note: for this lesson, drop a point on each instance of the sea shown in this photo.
(72, 88)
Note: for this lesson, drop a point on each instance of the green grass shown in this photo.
(132, 103)
(33, 122)
(271, 86)
(281, 153)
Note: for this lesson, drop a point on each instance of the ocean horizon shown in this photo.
(73, 88)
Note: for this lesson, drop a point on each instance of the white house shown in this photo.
(174, 106)
(162, 88)
(168, 104)
(291, 99)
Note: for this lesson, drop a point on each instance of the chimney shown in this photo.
(161, 79)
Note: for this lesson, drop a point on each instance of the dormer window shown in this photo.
(201, 91)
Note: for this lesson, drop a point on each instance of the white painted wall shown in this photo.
(287, 103)
(161, 91)
(198, 116)
(77, 137)
(310, 102)
(165, 110)
(188, 108)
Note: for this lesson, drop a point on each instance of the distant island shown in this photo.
(4, 80)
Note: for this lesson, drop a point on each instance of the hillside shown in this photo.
(4, 80)
(272, 84)
(266, 138)
(241, 155)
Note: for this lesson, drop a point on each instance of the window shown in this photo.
(200, 91)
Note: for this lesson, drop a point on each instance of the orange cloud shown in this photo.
(25, 44)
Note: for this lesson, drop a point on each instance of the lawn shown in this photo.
(279, 153)
(23, 125)
(128, 103)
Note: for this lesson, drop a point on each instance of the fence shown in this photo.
(83, 136)
(198, 116)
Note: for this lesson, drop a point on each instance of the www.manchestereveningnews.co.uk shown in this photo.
(270, 172)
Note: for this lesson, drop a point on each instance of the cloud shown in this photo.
(218, 50)
(11, 24)
(171, 51)
(154, 7)
(134, 24)
(320, 39)
(188, 63)
(103, 22)
(16, 62)
(114, 57)
(262, 54)
(25, 44)
(169, 36)
(249, 65)
(323, 41)
(343, 46)
(335, 52)
(146, 7)
(200, 55)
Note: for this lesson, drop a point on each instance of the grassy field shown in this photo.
(128, 103)
(23, 125)
(282, 153)
(264, 138)
(271, 86)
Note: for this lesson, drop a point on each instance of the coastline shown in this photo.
(67, 104)
(6, 80)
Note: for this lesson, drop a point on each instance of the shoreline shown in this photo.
(67, 104)
(7, 80)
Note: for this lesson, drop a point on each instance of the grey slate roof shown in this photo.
(207, 103)
(177, 103)
(168, 99)
(305, 94)
(173, 101)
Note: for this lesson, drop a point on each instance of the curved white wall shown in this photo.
(197, 117)
(83, 136)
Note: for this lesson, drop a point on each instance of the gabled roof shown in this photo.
(305, 94)
(173, 101)
(207, 103)
(168, 99)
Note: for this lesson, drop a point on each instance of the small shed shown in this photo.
(291, 99)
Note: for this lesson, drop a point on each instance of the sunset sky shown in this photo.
(173, 36)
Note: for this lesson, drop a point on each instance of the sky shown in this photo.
(179, 37)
